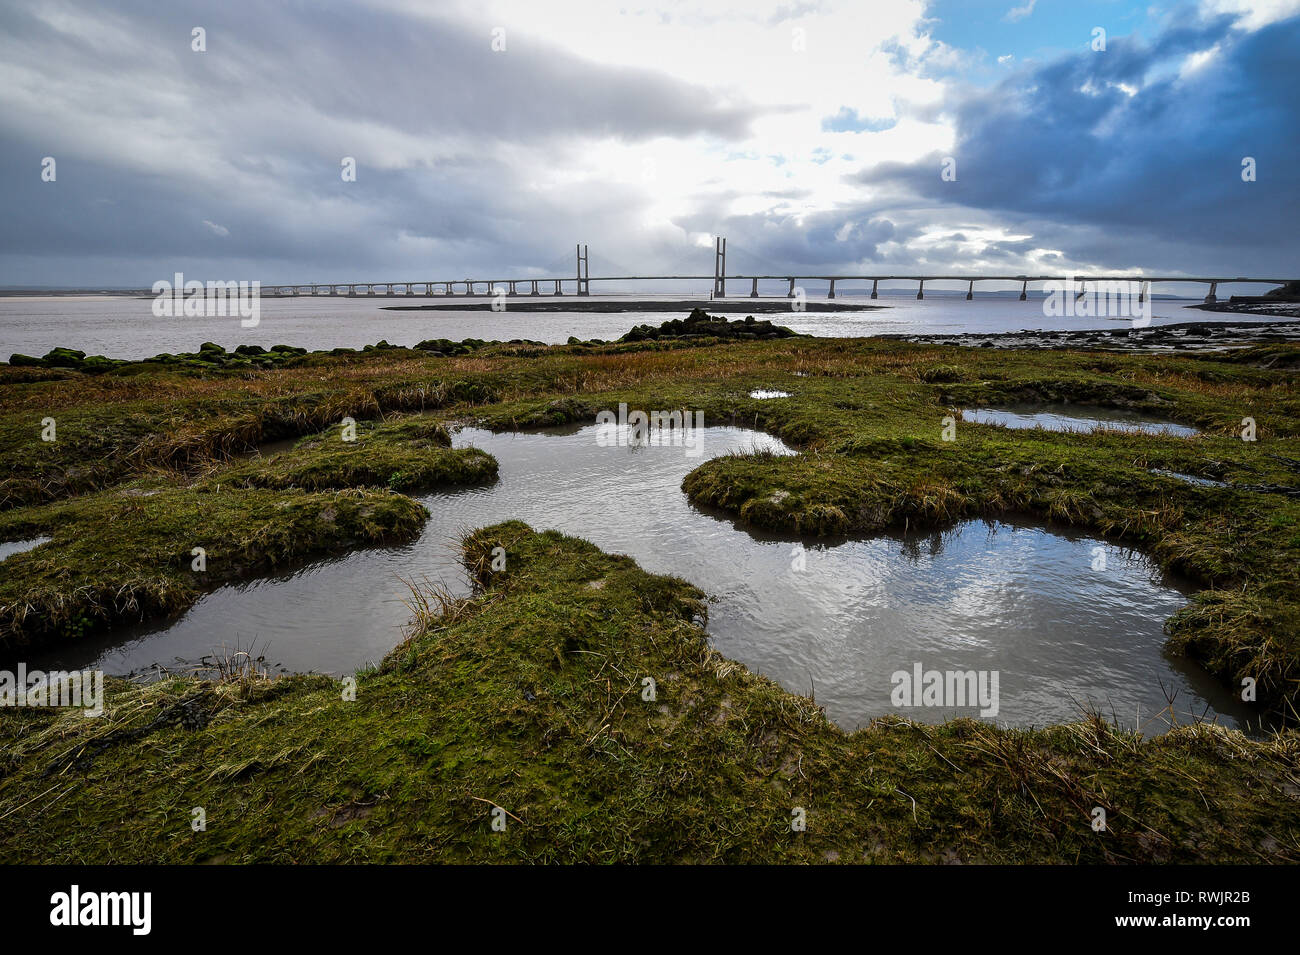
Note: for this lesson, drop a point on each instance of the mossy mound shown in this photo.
(699, 324)
(573, 712)
(129, 555)
(407, 456)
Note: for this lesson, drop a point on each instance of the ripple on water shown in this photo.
(838, 618)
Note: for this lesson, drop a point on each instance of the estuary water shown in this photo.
(124, 327)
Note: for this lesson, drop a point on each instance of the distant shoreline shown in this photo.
(570, 304)
(1257, 307)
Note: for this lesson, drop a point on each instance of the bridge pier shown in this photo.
(1143, 290)
(557, 288)
(512, 291)
(831, 292)
(970, 290)
(920, 292)
(753, 292)
(534, 291)
(1212, 298)
(874, 284)
(370, 290)
(790, 294)
(1024, 290)
(584, 271)
(1083, 290)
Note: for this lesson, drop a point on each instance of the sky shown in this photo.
(489, 136)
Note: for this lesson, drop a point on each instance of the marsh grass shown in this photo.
(528, 694)
(530, 698)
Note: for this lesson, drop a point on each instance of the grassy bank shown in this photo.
(529, 698)
(529, 704)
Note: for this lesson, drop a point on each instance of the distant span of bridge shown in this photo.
(581, 281)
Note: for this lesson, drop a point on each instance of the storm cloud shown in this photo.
(485, 143)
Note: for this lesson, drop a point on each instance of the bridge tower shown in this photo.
(584, 271)
(719, 267)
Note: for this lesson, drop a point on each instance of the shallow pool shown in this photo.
(1066, 621)
(1083, 419)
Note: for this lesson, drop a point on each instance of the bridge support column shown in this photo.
(1083, 290)
(512, 291)
(557, 287)
(534, 291)
(1143, 291)
(753, 292)
(584, 271)
(1024, 290)
(874, 284)
(831, 292)
(970, 290)
(370, 290)
(790, 294)
(408, 289)
(920, 292)
(1212, 298)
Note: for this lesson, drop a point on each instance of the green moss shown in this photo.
(525, 697)
(405, 456)
(533, 698)
(127, 554)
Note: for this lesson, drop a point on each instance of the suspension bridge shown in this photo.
(580, 282)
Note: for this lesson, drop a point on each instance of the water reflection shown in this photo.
(1080, 419)
(1067, 620)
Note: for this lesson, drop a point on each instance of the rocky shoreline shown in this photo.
(1182, 336)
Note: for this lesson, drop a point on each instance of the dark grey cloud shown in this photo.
(1064, 143)
(226, 164)
(152, 139)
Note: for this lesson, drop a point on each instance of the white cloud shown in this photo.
(1015, 14)
(1253, 14)
(217, 229)
(1197, 60)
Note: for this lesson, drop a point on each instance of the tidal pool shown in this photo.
(1066, 621)
(1189, 478)
(1083, 419)
(9, 548)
